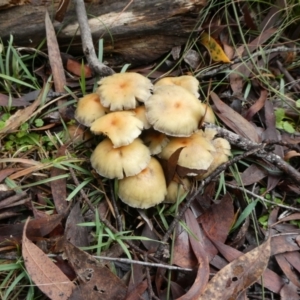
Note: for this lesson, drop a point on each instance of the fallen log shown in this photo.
(137, 31)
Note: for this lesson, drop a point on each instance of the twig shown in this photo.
(87, 42)
(143, 263)
(193, 195)
(211, 73)
(246, 144)
(261, 198)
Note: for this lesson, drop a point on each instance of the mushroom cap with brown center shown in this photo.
(197, 152)
(190, 83)
(145, 189)
(113, 162)
(122, 127)
(123, 90)
(174, 111)
(89, 109)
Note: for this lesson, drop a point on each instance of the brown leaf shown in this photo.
(172, 165)
(289, 292)
(252, 174)
(54, 56)
(6, 172)
(76, 68)
(77, 235)
(183, 255)
(35, 229)
(258, 105)
(197, 246)
(234, 120)
(284, 243)
(287, 268)
(217, 220)
(101, 282)
(271, 280)
(233, 279)
(43, 272)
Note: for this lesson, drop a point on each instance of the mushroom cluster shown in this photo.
(143, 124)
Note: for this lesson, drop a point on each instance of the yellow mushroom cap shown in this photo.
(89, 109)
(123, 90)
(122, 127)
(145, 189)
(113, 162)
(196, 154)
(174, 111)
(177, 190)
(140, 113)
(190, 83)
(155, 140)
(221, 156)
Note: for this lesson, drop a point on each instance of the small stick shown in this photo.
(246, 144)
(144, 263)
(87, 42)
(261, 198)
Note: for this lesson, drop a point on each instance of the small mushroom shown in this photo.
(197, 152)
(190, 83)
(209, 116)
(221, 156)
(145, 189)
(113, 162)
(155, 140)
(177, 190)
(174, 111)
(89, 109)
(123, 90)
(122, 127)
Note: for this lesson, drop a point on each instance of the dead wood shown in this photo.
(137, 31)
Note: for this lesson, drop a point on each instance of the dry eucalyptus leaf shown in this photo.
(234, 278)
(43, 272)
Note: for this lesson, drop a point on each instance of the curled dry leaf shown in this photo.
(215, 50)
(233, 279)
(43, 272)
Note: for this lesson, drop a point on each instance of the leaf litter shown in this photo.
(251, 86)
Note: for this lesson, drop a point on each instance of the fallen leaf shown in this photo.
(6, 172)
(215, 50)
(77, 235)
(234, 278)
(100, 281)
(258, 105)
(234, 120)
(287, 268)
(201, 255)
(270, 279)
(183, 254)
(43, 272)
